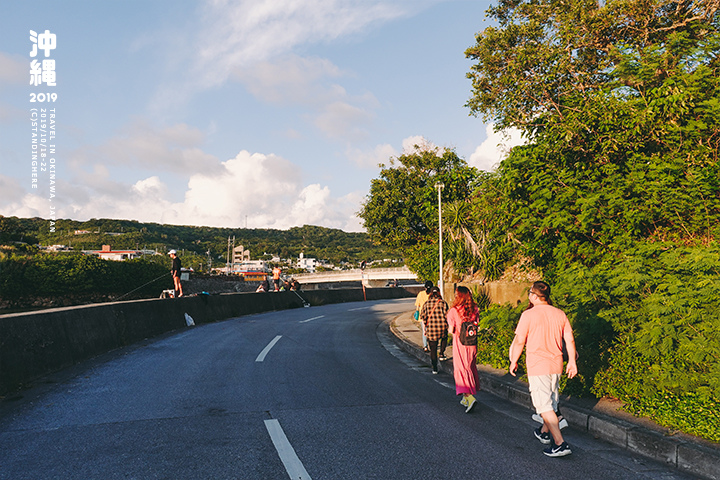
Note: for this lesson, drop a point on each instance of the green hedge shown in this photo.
(48, 275)
(647, 328)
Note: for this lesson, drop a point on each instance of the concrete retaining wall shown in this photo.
(33, 344)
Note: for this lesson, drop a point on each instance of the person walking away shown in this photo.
(175, 271)
(541, 330)
(419, 302)
(464, 309)
(433, 316)
(276, 277)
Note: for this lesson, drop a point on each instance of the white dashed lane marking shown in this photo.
(265, 351)
(293, 465)
(310, 319)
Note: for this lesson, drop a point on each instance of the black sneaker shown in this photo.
(442, 357)
(557, 450)
(544, 437)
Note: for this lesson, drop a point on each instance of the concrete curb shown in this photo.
(688, 454)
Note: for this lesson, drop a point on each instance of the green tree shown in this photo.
(617, 193)
(401, 210)
(621, 103)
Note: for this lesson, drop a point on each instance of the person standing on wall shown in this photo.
(464, 309)
(433, 316)
(276, 277)
(175, 271)
(542, 329)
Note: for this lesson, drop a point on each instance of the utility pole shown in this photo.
(441, 283)
(227, 258)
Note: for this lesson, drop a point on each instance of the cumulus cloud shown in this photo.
(264, 190)
(497, 145)
(417, 143)
(381, 154)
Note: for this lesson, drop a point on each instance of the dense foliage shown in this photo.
(616, 195)
(401, 210)
(51, 275)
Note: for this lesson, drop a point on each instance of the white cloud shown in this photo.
(379, 155)
(264, 190)
(294, 80)
(497, 145)
(175, 149)
(238, 34)
(417, 143)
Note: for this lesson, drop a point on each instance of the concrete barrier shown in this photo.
(33, 344)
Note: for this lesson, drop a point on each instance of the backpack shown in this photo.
(468, 333)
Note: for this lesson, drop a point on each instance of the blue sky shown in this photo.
(265, 114)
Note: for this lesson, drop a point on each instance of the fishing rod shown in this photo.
(141, 286)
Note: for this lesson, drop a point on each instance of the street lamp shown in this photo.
(441, 284)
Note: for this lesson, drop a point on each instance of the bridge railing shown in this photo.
(357, 275)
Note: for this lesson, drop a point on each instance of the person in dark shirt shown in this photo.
(175, 272)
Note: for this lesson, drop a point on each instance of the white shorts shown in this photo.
(545, 392)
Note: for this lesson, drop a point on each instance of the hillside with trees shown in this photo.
(32, 277)
(332, 245)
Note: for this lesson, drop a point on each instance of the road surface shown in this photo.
(317, 393)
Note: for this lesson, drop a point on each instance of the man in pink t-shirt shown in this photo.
(542, 329)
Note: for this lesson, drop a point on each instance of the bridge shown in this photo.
(370, 277)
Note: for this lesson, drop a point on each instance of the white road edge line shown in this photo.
(265, 351)
(361, 308)
(445, 384)
(309, 319)
(293, 465)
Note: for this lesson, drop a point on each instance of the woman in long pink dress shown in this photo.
(465, 371)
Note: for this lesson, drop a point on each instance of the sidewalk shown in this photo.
(601, 418)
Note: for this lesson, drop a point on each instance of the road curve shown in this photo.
(317, 393)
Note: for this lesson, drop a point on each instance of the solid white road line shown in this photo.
(293, 465)
(445, 384)
(361, 308)
(265, 351)
(309, 319)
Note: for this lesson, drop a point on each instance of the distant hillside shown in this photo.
(329, 244)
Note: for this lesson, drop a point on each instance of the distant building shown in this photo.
(240, 255)
(118, 255)
(308, 264)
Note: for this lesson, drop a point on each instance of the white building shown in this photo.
(308, 264)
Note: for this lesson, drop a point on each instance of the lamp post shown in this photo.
(441, 284)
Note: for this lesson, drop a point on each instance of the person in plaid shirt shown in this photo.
(433, 316)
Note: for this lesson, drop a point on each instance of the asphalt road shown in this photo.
(317, 393)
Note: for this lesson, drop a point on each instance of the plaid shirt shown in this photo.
(434, 314)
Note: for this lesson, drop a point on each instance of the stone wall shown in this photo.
(33, 344)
